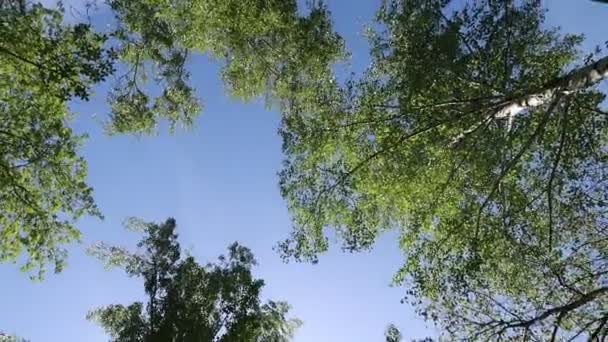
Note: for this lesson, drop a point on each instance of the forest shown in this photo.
(470, 136)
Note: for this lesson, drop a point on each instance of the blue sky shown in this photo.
(219, 182)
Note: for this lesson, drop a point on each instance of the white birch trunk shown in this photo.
(575, 80)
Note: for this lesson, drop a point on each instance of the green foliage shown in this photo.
(501, 211)
(189, 302)
(393, 334)
(265, 46)
(11, 338)
(42, 178)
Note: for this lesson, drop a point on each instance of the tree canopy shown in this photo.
(44, 63)
(477, 133)
(392, 334)
(188, 302)
(264, 46)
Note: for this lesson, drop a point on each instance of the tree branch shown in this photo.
(564, 309)
(507, 168)
(595, 335)
(573, 81)
(554, 170)
(21, 58)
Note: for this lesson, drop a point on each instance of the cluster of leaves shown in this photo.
(469, 136)
(264, 45)
(188, 302)
(42, 178)
(392, 334)
(11, 338)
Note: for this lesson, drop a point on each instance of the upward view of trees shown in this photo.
(263, 45)
(187, 302)
(478, 133)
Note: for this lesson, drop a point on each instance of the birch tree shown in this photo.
(479, 135)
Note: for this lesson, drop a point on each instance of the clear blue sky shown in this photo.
(219, 182)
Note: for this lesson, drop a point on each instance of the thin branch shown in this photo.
(596, 333)
(507, 168)
(554, 170)
(460, 137)
(499, 304)
(508, 23)
(557, 325)
(583, 300)
(561, 281)
(581, 331)
(457, 167)
(595, 110)
(21, 58)
(400, 115)
(16, 186)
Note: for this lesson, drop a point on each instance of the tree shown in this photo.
(264, 47)
(392, 334)
(44, 63)
(10, 338)
(479, 135)
(186, 301)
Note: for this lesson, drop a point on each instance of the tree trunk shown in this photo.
(575, 80)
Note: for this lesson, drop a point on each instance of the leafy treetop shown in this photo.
(188, 302)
